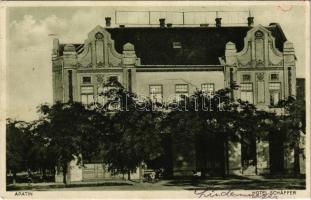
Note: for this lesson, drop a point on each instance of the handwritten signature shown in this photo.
(229, 193)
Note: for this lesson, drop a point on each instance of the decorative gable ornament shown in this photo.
(260, 76)
(99, 50)
(99, 36)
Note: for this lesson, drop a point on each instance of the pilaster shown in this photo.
(129, 62)
(289, 68)
(69, 73)
(231, 63)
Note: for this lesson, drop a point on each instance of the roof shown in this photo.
(78, 48)
(199, 45)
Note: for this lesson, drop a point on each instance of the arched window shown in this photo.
(99, 48)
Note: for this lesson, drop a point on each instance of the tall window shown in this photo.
(247, 92)
(87, 94)
(275, 93)
(274, 77)
(156, 93)
(208, 88)
(181, 90)
(86, 80)
(246, 77)
(113, 78)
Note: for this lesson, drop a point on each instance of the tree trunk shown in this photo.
(41, 174)
(53, 172)
(256, 166)
(140, 173)
(227, 155)
(296, 158)
(14, 177)
(129, 175)
(44, 173)
(65, 174)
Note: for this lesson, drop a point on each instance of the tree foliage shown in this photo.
(18, 140)
(71, 132)
(127, 131)
(134, 135)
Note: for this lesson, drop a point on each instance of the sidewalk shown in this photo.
(49, 185)
(248, 183)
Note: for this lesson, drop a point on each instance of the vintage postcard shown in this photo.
(160, 100)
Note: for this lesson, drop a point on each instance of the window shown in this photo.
(181, 90)
(99, 36)
(274, 86)
(86, 80)
(87, 90)
(246, 77)
(259, 34)
(156, 93)
(208, 88)
(177, 45)
(113, 78)
(275, 93)
(247, 92)
(87, 95)
(247, 86)
(274, 77)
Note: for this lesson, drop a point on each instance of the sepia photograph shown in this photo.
(208, 99)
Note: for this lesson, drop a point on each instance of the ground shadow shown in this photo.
(239, 182)
(40, 187)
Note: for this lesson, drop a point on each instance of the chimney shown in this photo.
(55, 47)
(169, 25)
(162, 22)
(218, 22)
(250, 21)
(108, 21)
(55, 43)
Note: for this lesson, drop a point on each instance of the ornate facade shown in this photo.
(165, 62)
(264, 72)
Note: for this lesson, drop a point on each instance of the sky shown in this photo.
(30, 31)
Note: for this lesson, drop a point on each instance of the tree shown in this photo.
(45, 157)
(17, 144)
(203, 124)
(27, 149)
(69, 132)
(294, 124)
(281, 130)
(134, 136)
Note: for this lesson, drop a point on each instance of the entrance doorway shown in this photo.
(210, 153)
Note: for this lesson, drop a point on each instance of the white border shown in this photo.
(133, 194)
